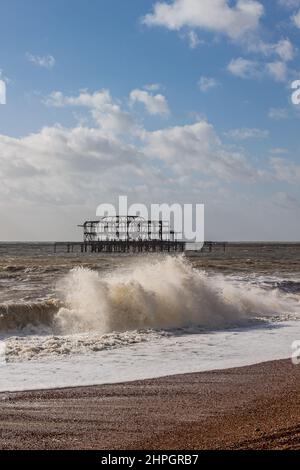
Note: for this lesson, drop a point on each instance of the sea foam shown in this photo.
(161, 293)
(153, 293)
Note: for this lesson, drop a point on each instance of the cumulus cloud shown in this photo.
(86, 164)
(197, 147)
(243, 68)
(104, 110)
(47, 61)
(281, 52)
(296, 19)
(278, 71)
(250, 69)
(217, 16)
(154, 104)
(240, 21)
(65, 165)
(282, 49)
(285, 49)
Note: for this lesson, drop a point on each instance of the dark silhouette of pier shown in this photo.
(125, 234)
(129, 234)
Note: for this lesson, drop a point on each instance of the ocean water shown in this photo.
(78, 319)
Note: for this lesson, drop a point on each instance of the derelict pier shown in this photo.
(125, 234)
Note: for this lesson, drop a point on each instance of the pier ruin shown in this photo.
(125, 234)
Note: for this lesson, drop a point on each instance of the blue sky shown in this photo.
(178, 101)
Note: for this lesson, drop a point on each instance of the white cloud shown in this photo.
(240, 21)
(296, 19)
(217, 16)
(243, 68)
(247, 133)
(286, 170)
(67, 166)
(59, 171)
(104, 110)
(84, 165)
(249, 69)
(292, 4)
(154, 104)
(278, 113)
(47, 61)
(278, 71)
(196, 147)
(282, 49)
(207, 83)
(285, 49)
(289, 3)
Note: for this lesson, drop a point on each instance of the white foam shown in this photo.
(133, 305)
(160, 357)
(161, 293)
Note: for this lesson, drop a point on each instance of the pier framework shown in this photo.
(131, 234)
(125, 234)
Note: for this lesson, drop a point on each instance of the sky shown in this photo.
(178, 101)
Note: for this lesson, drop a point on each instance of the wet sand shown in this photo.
(255, 407)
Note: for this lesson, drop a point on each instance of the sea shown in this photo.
(74, 319)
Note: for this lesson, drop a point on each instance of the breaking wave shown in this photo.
(157, 293)
(161, 293)
(19, 316)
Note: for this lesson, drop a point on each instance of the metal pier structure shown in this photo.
(125, 234)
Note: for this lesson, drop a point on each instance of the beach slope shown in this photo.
(254, 407)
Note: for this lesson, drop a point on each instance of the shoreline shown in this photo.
(158, 358)
(250, 407)
(129, 381)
